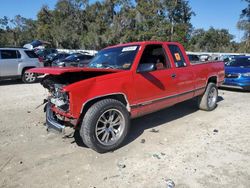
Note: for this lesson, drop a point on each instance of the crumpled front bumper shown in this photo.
(51, 122)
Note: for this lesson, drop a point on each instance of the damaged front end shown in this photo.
(58, 105)
(59, 108)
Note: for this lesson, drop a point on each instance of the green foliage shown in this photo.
(244, 24)
(77, 24)
(212, 40)
(16, 31)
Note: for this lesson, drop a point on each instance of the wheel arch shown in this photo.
(26, 68)
(117, 96)
(212, 79)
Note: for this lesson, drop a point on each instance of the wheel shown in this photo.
(105, 125)
(29, 77)
(208, 101)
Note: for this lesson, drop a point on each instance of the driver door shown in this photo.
(155, 88)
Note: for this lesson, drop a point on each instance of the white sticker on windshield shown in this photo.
(130, 48)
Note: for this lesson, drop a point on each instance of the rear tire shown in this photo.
(105, 125)
(29, 77)
(208, 101)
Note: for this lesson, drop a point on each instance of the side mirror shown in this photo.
(146, 67)
(77, 60)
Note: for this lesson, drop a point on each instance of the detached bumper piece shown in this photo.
(52, 123)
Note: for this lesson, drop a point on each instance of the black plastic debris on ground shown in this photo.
(120, 165)
(143, 141)
(216, 131)
(156, 156)
(154, 131)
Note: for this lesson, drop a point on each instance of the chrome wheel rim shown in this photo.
(212, 97)
(109, 127)
(29, 76)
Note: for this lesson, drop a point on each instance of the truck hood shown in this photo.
(68, 75)
(63, 70)
(231, 69)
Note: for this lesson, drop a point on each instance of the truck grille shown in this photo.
(233, 75)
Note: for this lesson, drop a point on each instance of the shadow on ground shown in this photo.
(139, 125)
(10, 82)
(15, 82)
(234, 90)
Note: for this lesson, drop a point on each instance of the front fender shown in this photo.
(82, 92)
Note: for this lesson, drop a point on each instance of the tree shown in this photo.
(45, 25)
(179, 14)
(4, 31)
(212, 40)
(244, 24)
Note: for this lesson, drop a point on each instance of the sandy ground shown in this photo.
(192, 147)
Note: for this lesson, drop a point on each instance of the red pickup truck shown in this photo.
(122, 82)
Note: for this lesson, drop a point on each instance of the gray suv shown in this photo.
(14, 63)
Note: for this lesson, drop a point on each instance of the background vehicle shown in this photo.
(205, 57)
(228, 58)
(55, 57)
(193, 58)
(123, 82)
(14, 63)
(74, 60)
(42, 53)
(237, 73)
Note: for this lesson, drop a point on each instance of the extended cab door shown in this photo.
(183, 72)
(9, 62)
(155, 89)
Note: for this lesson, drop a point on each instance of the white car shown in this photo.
(14, 63)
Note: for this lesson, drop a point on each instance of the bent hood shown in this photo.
(62, 70)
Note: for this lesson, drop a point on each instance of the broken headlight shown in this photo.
(60, 98)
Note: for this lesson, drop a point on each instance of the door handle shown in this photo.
(20, 61)
(173, 75)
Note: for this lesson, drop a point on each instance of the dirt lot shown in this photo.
(193, 148)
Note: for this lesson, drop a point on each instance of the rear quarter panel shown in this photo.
(205, 70)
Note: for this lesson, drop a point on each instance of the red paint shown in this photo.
(145, 92)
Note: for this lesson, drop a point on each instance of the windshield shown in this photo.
(116, 58)
(239, 62)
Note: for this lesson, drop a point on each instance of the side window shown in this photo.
(31, 54)
(177, 56)
(9, 54)
(155, 54)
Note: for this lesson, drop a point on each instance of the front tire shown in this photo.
(29, 77)
(208, 101)
(105, 125)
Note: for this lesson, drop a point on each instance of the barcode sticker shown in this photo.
(130, 48)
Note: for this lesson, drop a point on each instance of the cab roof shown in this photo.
(141, 43)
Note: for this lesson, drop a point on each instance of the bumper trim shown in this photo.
(52, 124)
